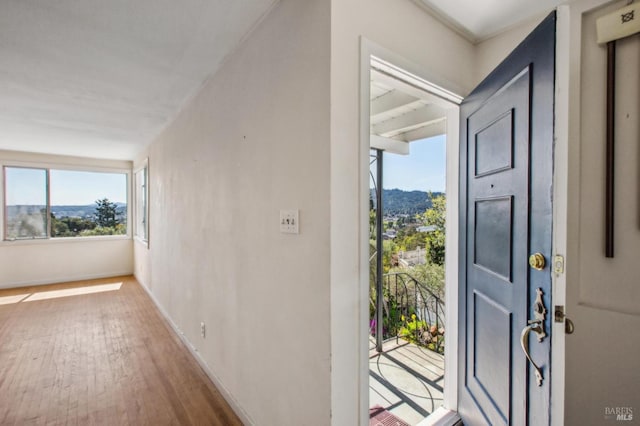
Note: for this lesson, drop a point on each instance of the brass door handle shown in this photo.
(535, 326)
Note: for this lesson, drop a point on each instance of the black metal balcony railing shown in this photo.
(411, 311)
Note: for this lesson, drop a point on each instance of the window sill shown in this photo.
(38, 241)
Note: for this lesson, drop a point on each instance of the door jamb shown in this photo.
(560, 206)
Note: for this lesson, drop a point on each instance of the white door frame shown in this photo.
(412, 74)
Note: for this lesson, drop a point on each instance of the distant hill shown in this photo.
(82, 211)
(397, 201)
(85, 211)
(73, 211)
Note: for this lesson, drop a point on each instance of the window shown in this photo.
(142, 211)
(48, 203)
(26, 203)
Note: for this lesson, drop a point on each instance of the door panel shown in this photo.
(506, 154)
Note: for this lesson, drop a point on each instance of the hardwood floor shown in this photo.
(95, 352)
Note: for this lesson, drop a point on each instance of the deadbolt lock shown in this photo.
(537, 261)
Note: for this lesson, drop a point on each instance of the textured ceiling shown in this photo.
(101, 79)
(97, 78)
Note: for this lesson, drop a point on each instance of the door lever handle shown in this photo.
(535, 326)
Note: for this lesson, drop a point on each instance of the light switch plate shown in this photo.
(289, 221)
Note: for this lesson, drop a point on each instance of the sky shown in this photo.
(423, 169)
(28, 187)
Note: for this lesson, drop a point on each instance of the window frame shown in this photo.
(68, 167)
(144, 167)
(5, 208)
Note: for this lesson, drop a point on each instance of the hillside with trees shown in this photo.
(102, 218)
(424, 229)
(106, 218)
(398, 202)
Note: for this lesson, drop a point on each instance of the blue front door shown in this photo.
(505, 217)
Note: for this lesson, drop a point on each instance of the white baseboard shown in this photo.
(66, 279)
(235, 406)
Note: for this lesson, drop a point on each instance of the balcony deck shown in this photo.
(405, 379)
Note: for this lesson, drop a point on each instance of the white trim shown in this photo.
(235, 406)
(418, 82)
(366, 48)
(452, 191)
(134, 190)
(400, 68)
(62, 240)
(441, 417)
(64, 166)
(566, 185)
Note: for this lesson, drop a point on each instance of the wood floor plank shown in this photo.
(98, 353)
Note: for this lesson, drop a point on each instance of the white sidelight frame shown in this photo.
(141, 189)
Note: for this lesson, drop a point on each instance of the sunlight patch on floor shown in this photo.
(55, 294)
(8, 300)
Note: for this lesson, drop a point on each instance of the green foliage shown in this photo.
(104, 222)
(420, 333)
(390, 323)
(372, 223)
(411, 328)
(69, 226)
(436, 216)
(106, 213)
(119, 229)
(409, 239)
(429, 274)
(389, 249)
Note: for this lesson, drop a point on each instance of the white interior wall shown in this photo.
(66, 259)
(442, 57)
(253, 142)
(603, 296)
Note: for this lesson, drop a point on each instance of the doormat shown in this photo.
(378, 416)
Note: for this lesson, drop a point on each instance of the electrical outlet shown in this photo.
(289, 221)
(202, 329)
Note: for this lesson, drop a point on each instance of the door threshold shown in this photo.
(442, 417)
